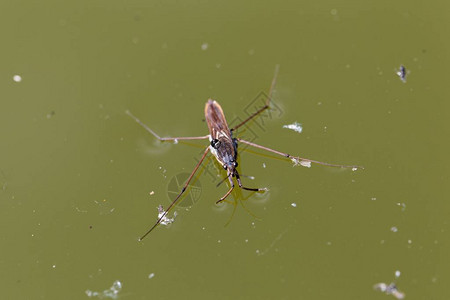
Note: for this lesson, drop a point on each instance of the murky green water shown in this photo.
(80, 180)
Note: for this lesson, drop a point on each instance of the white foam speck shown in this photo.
(297, 127)
(17, 78)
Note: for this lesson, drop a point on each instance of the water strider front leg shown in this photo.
(229, 191)
(238, 179)
(164, 138)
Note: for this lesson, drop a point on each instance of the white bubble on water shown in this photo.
(205, 46)
(297, 127)
(112, 292)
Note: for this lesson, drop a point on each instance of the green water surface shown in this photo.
(80, 181)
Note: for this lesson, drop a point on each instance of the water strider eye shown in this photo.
(215, 143)
(224, 166)
(235, 164)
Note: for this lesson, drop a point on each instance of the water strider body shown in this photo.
(223, 145)
(224, 148)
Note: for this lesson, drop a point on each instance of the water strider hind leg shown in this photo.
(297, 159)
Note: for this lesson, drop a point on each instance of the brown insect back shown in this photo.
(215, 118)
(222, 144)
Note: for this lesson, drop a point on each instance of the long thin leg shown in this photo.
(178, 196)
(164, 138)
(223, 180)
(247, 188)
(272, 86)
(297, 159)
(229, 191)
(238, 179)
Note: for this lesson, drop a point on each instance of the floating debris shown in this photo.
(112, 292)
(50, 114)
(104, 207)
(402, 205)
(305, 163)
(293, 204)
(205, 46)
(390, 289)
(163, 171)
(301, 162)
(165, 220)
(394, 229)
(402, 73)
(297, 127)
(151, 275)
(17, 78)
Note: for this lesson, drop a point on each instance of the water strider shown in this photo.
(224, 148)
